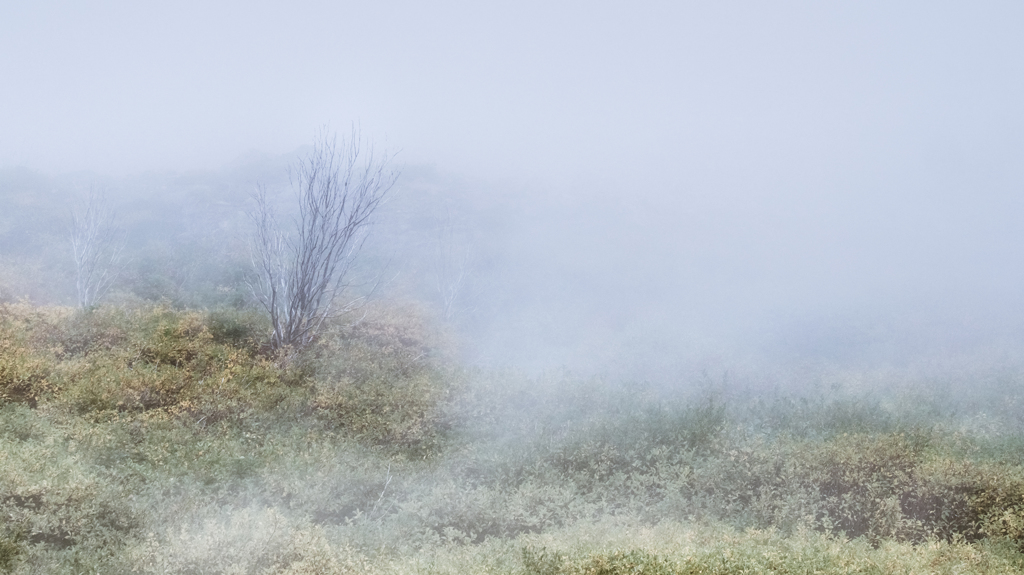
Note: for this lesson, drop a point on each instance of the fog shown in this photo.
(637, 189)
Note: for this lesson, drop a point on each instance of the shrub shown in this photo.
(645, 434)
(623, 562)
(11, 547)
(996, 504)
(142, 359)
(383, 379)
(243, 329)
(889, 487)
(92, 330)
(712, 549)
(25, 369)
(23, 374)
(881, 487)
(51, 500)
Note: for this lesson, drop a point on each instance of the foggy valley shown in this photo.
(667, 288)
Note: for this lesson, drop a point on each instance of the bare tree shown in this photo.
(450, 267)
(96, 244)
(300, 273)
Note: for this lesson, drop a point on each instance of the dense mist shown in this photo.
(642, 287)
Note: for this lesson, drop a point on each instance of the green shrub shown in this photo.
(243, 329)
(996, 503)
(821, 417)
(710, 549)
(383, 379)
(159, 359)
(23, 374)
(881, 487)
(54, 501)
(25, 369)
(11, 547)
(890, 487)
(628, 562)
(619, 447)
(95, 330)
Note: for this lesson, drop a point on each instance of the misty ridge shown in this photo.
(551, 281)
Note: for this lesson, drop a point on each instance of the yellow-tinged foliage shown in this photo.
(26, 359)
(152, 440)
(380, 378)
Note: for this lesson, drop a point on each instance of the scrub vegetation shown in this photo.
(147, 439)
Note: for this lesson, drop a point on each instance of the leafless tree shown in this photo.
(300, 273)
(96, 244)
(450, 267)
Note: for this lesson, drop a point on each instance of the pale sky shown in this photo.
(663, 92)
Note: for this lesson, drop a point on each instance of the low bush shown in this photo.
(170, 361)
(26, 365)
(382, 378)
(880, 487)
(53, 500)
(156, 440)
(239, 328)
(628, 562)
(643, 435)
(712, 549)
(12, 542)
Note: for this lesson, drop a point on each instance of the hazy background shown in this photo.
(637, 188)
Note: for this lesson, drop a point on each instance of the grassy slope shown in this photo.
(158, 441)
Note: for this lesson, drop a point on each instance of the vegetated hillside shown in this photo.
(152, 440)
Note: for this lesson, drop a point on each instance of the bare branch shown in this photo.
(300, 275)
(96, 245)
(450, 267)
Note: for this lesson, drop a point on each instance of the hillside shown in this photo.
(149, 440)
